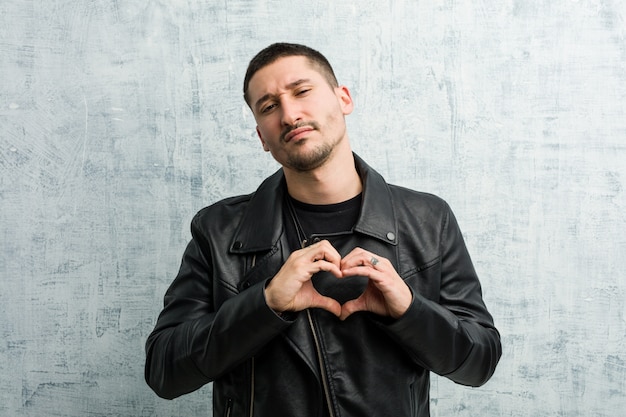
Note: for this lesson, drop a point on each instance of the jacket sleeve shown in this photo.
(455, 336)
(194, 342)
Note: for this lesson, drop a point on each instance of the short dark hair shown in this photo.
(275, 51)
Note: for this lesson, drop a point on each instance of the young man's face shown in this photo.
(299, 115)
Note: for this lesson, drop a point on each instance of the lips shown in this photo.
(297, 132)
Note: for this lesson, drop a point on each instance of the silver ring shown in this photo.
(373, 261)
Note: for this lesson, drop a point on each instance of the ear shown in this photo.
(265, 148)
(345, 99)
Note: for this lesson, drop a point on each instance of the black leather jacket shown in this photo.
(216, 325)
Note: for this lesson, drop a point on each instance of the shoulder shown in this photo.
(226, 204)
(222, 213)
(401, 197)
(412, 199)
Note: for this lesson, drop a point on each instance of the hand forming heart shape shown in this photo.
(379, 288)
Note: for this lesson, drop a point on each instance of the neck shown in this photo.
(334, 182)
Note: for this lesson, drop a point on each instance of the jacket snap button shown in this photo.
(246, 285)
(237, 245)
(391, 236)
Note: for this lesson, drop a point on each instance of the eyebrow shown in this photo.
(290, 86)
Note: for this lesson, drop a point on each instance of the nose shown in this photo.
(291, 112)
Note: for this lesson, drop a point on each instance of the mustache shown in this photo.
(288, 129)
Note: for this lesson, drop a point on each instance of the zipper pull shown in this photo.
(229, 407)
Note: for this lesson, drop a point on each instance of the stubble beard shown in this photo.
(309, 160)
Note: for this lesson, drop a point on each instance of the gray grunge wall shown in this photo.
(119, 119)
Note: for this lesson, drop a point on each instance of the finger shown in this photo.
(324, 250)
(310, 260)
(372, 272)
(353, 258)
(361, 258)
(323, 265)
(322, 256)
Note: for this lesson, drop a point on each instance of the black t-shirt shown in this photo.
(313, 222)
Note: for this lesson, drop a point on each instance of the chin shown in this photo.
(311, 160)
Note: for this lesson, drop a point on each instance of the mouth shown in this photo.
(297, 133)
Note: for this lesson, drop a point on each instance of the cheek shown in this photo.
(334, 117)
(261, 131)
(268, 137)
(266, 129)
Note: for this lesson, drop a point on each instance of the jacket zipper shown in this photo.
(252, 389)
(229, 407)
(252, 366)
(321, 365)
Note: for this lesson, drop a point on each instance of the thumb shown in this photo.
(350, 307)
(327, 303)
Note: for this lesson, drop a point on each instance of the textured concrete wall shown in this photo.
(119, 119)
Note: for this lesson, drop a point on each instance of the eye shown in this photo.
(302, 91)
(267, 108)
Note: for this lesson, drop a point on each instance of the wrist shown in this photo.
(268, 301)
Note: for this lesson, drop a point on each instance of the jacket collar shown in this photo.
(262, 223)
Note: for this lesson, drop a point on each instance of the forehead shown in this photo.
(282, 73)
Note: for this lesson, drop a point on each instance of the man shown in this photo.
(327, 292)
